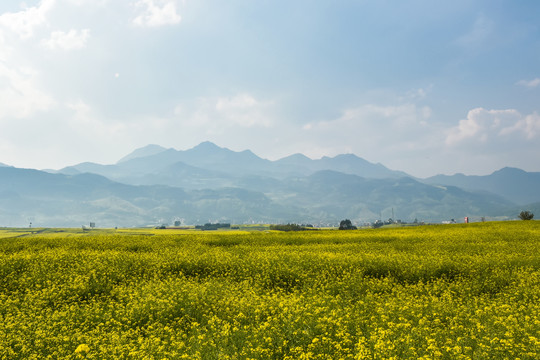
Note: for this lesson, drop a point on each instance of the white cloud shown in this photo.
(415, 95)
(71, 40)
(467, 128)
(5, 49)
(529, 83)
(83, 121)
(483, 125)
(70, 133)
(528, 126)
(215, 114)
(373, 131)
(21, 93)
(20, 96)
(244, 110)
(88, 2)
(400, 117)
(157, 13)
(405, 137)
(80, 109)
(24, 22)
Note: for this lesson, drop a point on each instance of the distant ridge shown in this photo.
(324, 198)
(516, 185)
(210, 156)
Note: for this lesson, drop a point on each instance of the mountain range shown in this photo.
(513, 184)
(208, 165)
(208, 183)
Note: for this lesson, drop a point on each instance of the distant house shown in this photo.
(452, 221)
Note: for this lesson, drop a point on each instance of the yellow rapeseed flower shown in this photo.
(82, 348)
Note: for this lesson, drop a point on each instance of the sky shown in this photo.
(422, 86)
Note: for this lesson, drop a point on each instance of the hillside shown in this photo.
(324, 197)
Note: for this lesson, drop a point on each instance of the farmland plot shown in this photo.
(434, 292)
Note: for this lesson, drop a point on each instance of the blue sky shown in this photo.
(421, 86)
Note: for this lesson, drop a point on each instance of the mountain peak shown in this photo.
(294, 158)
(207, 145)
(509, 170)
(349, 156)
(206, 148)
(147, 150)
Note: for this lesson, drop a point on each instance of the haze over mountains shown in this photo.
(210, 165)
(514, 184)
(154, 185)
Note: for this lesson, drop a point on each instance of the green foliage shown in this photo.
(288, 227)
(346, 225)
(526, 215)
(438, 292)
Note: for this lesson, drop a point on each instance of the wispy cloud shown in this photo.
(529, 83)
(157, 13)
(481, 30)
(71, 40)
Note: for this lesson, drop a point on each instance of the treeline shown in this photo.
(291, 227)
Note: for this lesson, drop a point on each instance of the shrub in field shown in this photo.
(346, 225)
(526, 215)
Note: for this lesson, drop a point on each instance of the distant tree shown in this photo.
(346, 225)
(526, 215)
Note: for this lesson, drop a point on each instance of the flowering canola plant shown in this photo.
(429, 292)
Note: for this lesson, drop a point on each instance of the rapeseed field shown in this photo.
(429, 292)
